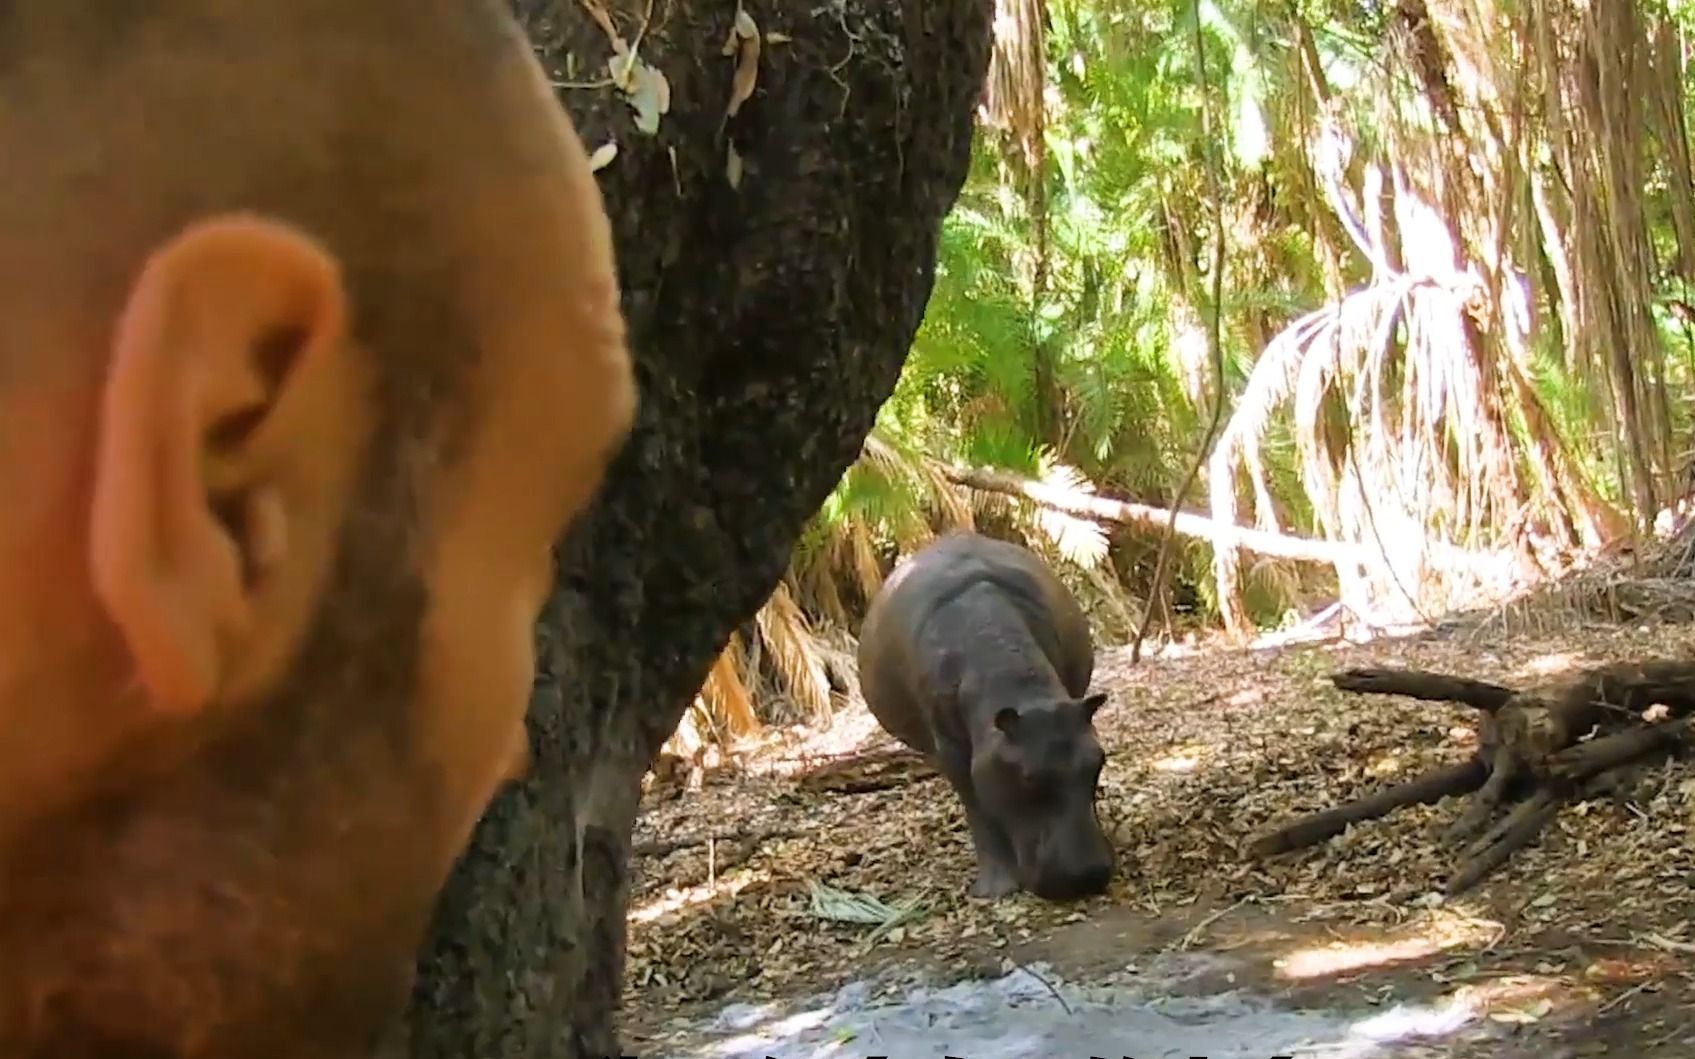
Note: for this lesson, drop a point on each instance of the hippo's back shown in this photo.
(893, 665)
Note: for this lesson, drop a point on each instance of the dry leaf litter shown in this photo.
(803, 889)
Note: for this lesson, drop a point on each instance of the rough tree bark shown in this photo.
(769, 321)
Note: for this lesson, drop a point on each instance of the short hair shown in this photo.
(122, 121)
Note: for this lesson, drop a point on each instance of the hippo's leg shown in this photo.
(995, 875)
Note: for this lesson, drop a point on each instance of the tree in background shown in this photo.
(1452, 313)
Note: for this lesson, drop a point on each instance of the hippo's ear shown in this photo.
(1091, 703)
(1006, 719)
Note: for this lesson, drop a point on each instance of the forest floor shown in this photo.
(1581, 944)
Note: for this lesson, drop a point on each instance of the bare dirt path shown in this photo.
(1583, 944)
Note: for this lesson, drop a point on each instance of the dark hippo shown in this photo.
(975, 655)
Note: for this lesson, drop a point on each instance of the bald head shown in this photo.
(375, 126)
(312, 349)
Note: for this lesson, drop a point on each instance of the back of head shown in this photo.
(312, 348)
(362, 123)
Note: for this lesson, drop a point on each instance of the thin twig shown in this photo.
(665, 847)
(1193, 934)
(1215, 345)
(1056, 995)
(1626, 995)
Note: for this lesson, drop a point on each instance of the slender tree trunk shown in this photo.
(1673, 131)
(1594, 62)
(769, 319)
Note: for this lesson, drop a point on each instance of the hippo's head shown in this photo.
(1036, 776)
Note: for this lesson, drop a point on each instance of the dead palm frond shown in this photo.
(1014, 95)
(726, 696)
(794, 654)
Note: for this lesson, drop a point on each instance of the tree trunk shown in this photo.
(769, 320)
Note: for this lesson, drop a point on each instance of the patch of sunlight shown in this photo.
(675, 900)
(1551, 664)
(1246, 697)
(1438, 932)
(1255, 938)
(1520, 1000)
(1407, 1022)
(1385, 765)
(757, 1041)
(1181, 759)
(1617, 970)
(1188, 647)
(801, 750)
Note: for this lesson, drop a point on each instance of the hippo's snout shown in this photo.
(1074, 884)
(1079, 866)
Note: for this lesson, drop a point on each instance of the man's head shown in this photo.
(311, 349)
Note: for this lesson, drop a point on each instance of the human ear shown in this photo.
(229, 353)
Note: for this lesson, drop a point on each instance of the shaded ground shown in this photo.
(1580, 945)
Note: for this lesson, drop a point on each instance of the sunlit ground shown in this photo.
(1385, 765)
(1340, 1030)
(1184, 759)
(1203, 755)
(987, 1020)
(1552, 664)
(1245, 697)
(1433, 933)
(678, 899)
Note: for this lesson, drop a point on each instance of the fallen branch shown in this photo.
(1589, 760)
(668, 846)
(1518, 829)
(816, 762)
(1430, 687)
(1431, 787)
(1086, 505)
(1264, 542)
(879, 771)
(1579, 773)
(1634, 686)
(1533, 751)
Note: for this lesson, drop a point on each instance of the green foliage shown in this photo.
(1121, 292)
(1570, 403)
(1101, 363)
